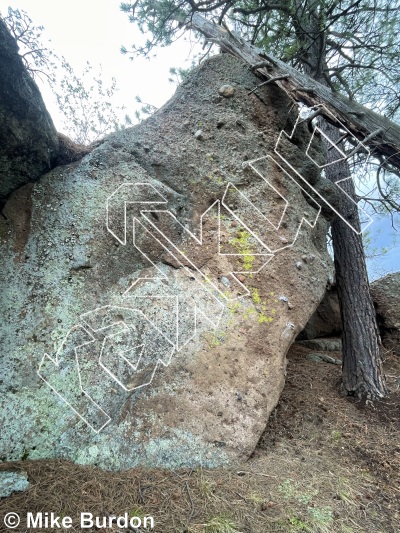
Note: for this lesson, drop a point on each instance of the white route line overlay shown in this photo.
(140, 188)
(143, 189)
(359, 145)
(56, 363)
(89, 331)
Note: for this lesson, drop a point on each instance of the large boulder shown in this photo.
(386, 295)
(28, 139)
(127, 340)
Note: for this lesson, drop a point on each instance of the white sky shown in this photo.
(93, 30)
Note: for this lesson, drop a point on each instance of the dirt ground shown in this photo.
(324, 464)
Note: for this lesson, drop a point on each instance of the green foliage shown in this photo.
(179, 74)
(336, 435)
(321, 515)
(38, 57)
(353, 46)
(206, 488)
(313, 518)
(145, 111)
(220, 524)
(84, 100)
(291, 490)
(137, 511)
(162, 21)
(297, 524)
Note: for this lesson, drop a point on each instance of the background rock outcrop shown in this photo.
(28, 138)
(386, 295)
(385, 292)
(326, 321)
(126, 339)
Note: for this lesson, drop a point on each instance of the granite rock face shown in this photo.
(126, 338)
(326, 345)
(28, 139)
(386, 295)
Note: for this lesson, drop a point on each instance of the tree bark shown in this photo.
(362, 374)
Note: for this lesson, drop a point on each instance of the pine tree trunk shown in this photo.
(362, 363)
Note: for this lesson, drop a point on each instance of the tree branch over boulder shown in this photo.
(383, 135)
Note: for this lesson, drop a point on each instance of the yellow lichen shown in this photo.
(261, 308)
(255, 295)
(244, 248)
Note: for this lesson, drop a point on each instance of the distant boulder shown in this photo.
(386, 295)
(326, 321)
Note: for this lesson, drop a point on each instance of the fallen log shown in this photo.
(380, 134)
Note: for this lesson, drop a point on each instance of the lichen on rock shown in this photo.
(166, 341)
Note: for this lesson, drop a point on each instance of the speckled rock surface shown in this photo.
(386, 295)
(210, 346)
(11, 482)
